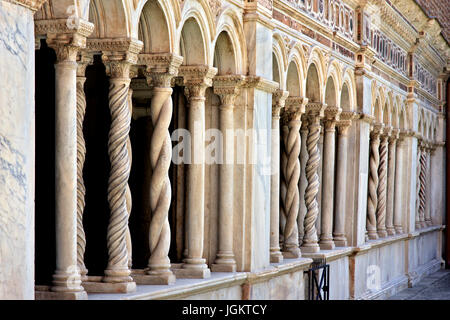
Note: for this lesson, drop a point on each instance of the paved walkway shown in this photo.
(436, 286)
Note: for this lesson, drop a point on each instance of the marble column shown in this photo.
(419, 156)
(339, 238)
(326, 236)
(303, 181)
(291, 118)
(314, 113)
(278, 102)
(196, 80)
(118, 66)
(227, 88)
(399, 184)
(391, 182)
(83, 61)
(160, 69)
(428, 152)
(382, 184)
(67, 276)
(422, 188)
(372, 201)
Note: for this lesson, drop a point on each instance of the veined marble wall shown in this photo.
(16, 152)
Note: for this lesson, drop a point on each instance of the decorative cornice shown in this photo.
(130, 46)
(59, 27)
(261, 83)
(315, 109)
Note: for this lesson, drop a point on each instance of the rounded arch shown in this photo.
(171, 9)
(394, 117)
(154, 30)
(293, 79)
(331, 92)
(224, 55)
(111, 18)
(315, 76)
(278, 61)
(348, 80)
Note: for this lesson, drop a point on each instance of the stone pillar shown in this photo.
(417, 216)
(303, 181)
(339, 238)
(291, 118)
(399, 184)
(196, 80)
(372, 199)
(160, 69)
(326, 236)
(118, 65)
(314, 112)
(278, 101)
(422, 188)
(227, 88)
(428, 152)
(391, 182)
(83, 62)
(382, 184)
(67, 277)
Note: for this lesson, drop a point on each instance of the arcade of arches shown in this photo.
(231, 143)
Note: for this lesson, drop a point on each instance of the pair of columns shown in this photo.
(385, 183)
(423, 212)
(296, 218)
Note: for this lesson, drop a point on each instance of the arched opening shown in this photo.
(191, 44)
(312, 84)
(386, 114)
(153, 30)
(345, 98)
(377, 110)
(224, 58)
(275, 70)
(293, 80)
(330, 92)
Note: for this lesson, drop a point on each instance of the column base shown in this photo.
(291, 253)
(191, 273)
(423, 224)
(327, 245)
(372, 235)
(340, 241)
(398, 230)
(276, 257)
(162, 278)
(51, 295)
(418, 225)
(390, 231)
(222, 267)
(382, 234)
(429, 223)
(95, 285)
(310, 248)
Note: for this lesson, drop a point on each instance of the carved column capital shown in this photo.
(315, 111)
(83, 60)
(331, 116)
(345, 121)
(295, 107)
(228, 88)
(395, 133)
(278, 102)
(376, 130)
(160, 68)
(196, 79)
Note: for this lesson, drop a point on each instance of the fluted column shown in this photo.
(382, 184)
(422, 188)
(326, 236)
(118, 66)
(83, 61)
(227, 88)
(196, 80)
(278, 102)
(399, 185)
(391, 182)
(343, 126)
(314, 112)
(160, 69)
(372, 200)
(291, 118)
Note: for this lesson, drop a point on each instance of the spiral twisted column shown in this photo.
(160, 69)
(382, 184)
(391, 182)
(196, 80)
(118, 64)
(291, 118)
(314, 112)
(283, 183)
(227, 88)
(372, 200)
(399, 184)
(422, 189)
(278, 103)
(303, 181)
(83, 61)
(343, 126)
(418, 225)
(332, 115)
(66, 279)
(428, 152)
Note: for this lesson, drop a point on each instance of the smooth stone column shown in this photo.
(382, 185)
(329, 149)
(372, 200)
(391, 182)
(196, 80)
(314, 112)
(67, 277)
(278, 101)
(399, 184)
(227, 88)
(295, 107)
(339, 238)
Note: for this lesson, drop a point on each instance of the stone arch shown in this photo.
(171, 9)
(154, 30)
(315, 76)
(229, 23)
(293, 79)
(61, 9)
(279, 59)
(331, 94)
(421, 123)
(344, 102)
(224, 55)
(111, 18)
(193, 44)
(395, 115)
(348, 103)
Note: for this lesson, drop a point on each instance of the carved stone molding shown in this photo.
(116, 49)
(278, 102)
(315, 109)
(294, 108)
(228, 87)
(61, 31)
(160, 68)
(197, 79)
(261, 83)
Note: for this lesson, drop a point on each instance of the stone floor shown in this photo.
(433, 287)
